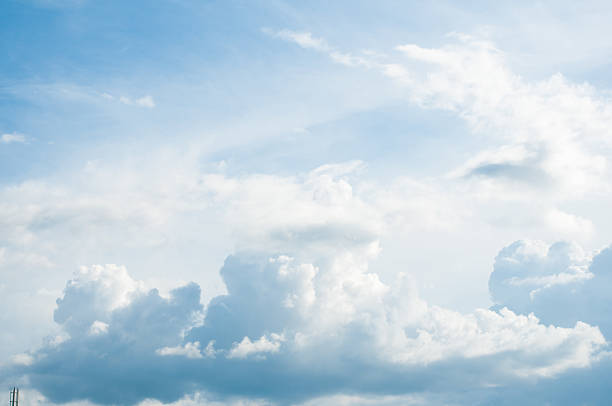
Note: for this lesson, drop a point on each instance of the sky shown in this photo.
(234, 203)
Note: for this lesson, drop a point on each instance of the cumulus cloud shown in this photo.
(131, 325)
(560, 283)
(288, 331)
(189, 350)
(303, 275)
(91, 296)
(317, 210)
(98, 327)
(247, 348)
(303, 317)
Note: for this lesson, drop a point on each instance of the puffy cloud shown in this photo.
(334, 315)
(125, 352)
(189, 350)
(318, 210)
(98, 327)
(315, 322)
(559, 283)
(92, 295)
(288, 331)
(550, 131)
(247, 348)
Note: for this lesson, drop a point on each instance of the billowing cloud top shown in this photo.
(560, 283)
(288, 331)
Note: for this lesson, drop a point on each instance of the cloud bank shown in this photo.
(307, 320)
(289, 331)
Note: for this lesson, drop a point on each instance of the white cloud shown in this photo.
(549, 133)
(189, 350)
(22, 359)
(313, 217)
(119, 287)
(92, 295)
(306, 40)
(204, 399)
(318, 299)
(561, 283)
(356, 400)
(303, 39)
(98, 327)
(247, 348)
(312, 210)
(568, 224)
(320, 295)
(144, 101)
(12, 138)
(342, 318)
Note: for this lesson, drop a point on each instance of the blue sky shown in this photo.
(287, 203)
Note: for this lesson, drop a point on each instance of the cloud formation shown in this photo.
(12, 138)
(288, 331)
(144, 101)
(560, 283)
(546, 134)
(304, 319)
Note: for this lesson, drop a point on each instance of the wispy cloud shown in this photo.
(12, 138)
(144, 101)
(303, 39)
(308, 41)
(549, 133)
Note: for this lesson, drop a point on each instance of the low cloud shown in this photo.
(189, 350)
(287, 332)
(560, 283)
(258, 348)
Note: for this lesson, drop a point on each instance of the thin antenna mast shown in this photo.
(14, 399)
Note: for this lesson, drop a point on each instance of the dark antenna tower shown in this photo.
(14, 399)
